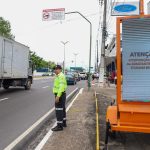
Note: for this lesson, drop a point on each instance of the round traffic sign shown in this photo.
(45, 15)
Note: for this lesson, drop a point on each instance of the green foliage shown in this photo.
(40, 62)
(5, 28)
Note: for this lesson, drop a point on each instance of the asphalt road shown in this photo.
(19, 109)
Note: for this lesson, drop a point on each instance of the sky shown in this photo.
(44, 37)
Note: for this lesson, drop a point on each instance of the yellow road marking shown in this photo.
(97, 125)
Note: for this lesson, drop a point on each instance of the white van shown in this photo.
(83, 75)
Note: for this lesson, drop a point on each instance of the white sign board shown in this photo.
(53, 14)
(136, 59)
(125, 9)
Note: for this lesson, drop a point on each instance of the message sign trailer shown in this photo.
(131, 114)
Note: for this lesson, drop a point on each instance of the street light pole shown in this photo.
(89, 76)
(75, 54)
(64, 43)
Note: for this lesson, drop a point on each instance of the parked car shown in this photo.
(46, 74)
(77, 76)
(69, 73)
(71, 79)
(83, 75)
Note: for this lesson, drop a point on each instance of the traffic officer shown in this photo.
(59, 90)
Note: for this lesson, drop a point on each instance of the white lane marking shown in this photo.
(50, 132)
(42, 78)
(72, 92)
(3, 99)
(81, 90)
(45, 139)
(17, 140)
(45, 87)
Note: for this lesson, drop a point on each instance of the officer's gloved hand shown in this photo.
(57, 99)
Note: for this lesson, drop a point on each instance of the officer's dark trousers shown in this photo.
(61, 110)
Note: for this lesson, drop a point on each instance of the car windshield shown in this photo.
(69, 73)
(82, 73)
(69, 76)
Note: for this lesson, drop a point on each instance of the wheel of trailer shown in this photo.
(109, 133)
(28, 85)
(6, 87)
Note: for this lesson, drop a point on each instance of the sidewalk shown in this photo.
(80, 133)
(109, 92)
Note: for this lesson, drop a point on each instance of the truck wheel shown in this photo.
(28, 85)
(6, 87)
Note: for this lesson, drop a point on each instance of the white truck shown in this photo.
(15, 66)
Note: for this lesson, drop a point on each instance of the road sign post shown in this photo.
(59, 14)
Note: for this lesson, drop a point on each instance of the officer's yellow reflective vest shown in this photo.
(60, 84)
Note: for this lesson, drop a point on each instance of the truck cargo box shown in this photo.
(14, 59)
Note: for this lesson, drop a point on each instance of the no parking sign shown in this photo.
(53, 14)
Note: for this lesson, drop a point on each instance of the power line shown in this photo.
(112, 5)
(109, 11)
(112, 19)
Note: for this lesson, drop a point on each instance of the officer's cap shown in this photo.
(57, 67)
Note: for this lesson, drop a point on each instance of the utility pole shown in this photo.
(97, 57)
(64, 43)
(102, 63)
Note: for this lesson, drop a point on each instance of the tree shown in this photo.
(40, 62)
(5, 29)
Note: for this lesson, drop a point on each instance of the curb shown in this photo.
(20, 141)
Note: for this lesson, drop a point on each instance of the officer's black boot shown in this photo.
(58, 128)
(64, 123)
